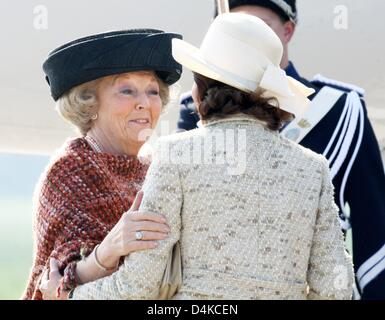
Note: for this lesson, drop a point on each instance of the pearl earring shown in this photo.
(95, 116)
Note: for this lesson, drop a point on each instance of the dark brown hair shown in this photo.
(219, 100)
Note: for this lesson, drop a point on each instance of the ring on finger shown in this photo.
(138, 235)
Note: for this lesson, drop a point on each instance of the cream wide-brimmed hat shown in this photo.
(242, 51)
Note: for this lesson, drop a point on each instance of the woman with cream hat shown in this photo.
(253, 212)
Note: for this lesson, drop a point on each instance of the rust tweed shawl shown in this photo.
(80, 197)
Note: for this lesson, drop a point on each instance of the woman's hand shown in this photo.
(50, 282)
(121, 240)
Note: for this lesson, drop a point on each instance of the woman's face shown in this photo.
(129, 108)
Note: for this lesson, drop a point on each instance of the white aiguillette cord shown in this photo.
(223, 6)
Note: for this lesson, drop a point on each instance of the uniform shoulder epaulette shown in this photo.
(347, 87)
(186, 98)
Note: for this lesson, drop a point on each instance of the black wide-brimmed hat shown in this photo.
(286, 9)
(110, 53)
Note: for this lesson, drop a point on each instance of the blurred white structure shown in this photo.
(29, 123)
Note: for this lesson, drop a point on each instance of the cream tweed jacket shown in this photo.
(253, 211)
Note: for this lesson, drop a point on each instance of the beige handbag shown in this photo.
(172, 277)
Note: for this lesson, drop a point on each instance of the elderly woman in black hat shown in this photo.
(112, 88)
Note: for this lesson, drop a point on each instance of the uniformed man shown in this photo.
(337, 126)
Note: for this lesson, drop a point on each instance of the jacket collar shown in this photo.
(291, 71)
